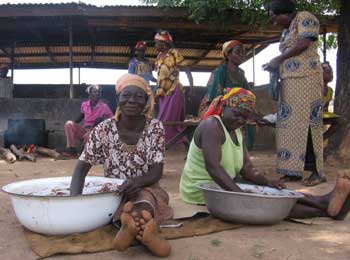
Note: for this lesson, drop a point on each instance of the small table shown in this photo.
(189, 126)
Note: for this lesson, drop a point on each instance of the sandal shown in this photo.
(314, 179)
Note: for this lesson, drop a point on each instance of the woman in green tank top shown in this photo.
(217, 154)
(217, 151)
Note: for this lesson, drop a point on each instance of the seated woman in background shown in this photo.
(226, 76)
(217, 153)
(131, 147)
(92, 112)
(329, 118)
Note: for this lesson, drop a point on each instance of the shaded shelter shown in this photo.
(43, 36)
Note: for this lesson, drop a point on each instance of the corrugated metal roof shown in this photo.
(37, 35)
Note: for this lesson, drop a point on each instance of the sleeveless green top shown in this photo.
(195, 173)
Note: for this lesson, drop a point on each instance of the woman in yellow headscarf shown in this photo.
(218, 154)
(169, 88)
(131, 147)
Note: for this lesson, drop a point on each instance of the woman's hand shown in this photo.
(273, 64)
(129, 189)
(278, 184)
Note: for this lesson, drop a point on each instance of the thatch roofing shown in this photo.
(37, 35)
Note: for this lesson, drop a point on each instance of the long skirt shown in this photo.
(299, 111)
(156, 198)
(172, 108)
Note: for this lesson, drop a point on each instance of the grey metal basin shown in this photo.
(261, 205)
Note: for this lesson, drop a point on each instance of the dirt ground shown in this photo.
(324, 239)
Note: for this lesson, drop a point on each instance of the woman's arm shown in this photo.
(297, 49)
(156, 161)
(77, 184)
(211, 131)
(131, 187)
(251, 174)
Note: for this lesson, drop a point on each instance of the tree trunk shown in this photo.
(340, 142)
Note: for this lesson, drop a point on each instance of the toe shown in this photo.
(146, 215)
(128, 207)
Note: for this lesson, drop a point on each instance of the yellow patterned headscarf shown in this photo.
(235, 97)
(137, 81)
(163, 36)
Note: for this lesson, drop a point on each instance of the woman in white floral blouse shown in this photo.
(131, 147)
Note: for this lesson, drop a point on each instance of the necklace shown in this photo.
(128, 147)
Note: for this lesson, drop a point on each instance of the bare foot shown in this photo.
(153, 240)
(314, 179)
(340, 202)
(127, 232)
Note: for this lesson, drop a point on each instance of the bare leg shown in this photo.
(148, 231)
(152, 239)
(335, 124)
(335, 204)
(127, 232)
(340, 195)
(302, 211)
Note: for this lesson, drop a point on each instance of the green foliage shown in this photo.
(221, 13)
(331, 41)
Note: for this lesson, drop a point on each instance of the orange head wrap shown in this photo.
(227, 46)
(235, 97)
(134, 80)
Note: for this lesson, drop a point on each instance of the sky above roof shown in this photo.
(92, 2)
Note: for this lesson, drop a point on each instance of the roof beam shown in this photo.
(102, 65)
(39, 36)
(52, 58)
(77, 54)
(7, 54)
(93, 54)
(205, 53)
(74, 9)
(92, 34)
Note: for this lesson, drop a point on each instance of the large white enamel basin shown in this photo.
(40, 211)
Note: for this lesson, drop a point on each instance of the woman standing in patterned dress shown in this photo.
(169, 89)
(131, 147)
(299, 118)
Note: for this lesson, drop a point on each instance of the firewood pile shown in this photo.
(26, 152)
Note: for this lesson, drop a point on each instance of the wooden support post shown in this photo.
(71, 88)
(324, 46)
(254, 65)
(12, 61)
